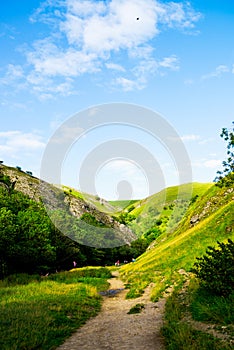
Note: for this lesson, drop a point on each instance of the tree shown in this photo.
(34, 249)
(226, 177)
(8, 234)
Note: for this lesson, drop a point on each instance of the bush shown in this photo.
(216, 269)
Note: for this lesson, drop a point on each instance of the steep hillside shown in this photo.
(162, 211)
(208, 220)
(95, 201)
(69, 202)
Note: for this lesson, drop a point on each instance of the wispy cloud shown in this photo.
(86, 35)
(208, 163)
(13, 73)
(128, 84)
(115, 66)
(14, 142)
(23, 147)
(218, 72)
(213, 163)
(171, 62)
(138, 76)
(17, 140)
(190, 137)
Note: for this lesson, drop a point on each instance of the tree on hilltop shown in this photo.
(226, 177)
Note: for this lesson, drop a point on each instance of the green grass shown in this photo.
(208, 307)
(19, 279)
(178, 250)
(170, 194)
(73, 192)
(123, 203)
(136, 309)
(42, 314)
(180, 334)
(169, 205)
(168, 262)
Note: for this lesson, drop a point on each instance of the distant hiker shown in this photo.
(74, 264)
(117, 263)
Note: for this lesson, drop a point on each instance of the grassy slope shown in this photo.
(170, 194)
(99, 203)
(169, 205)
(179, 250)
(194, 303)
(159, 199)
(123, 204)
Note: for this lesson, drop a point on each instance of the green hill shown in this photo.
(177, 224)
(209, 219)
(162, 210)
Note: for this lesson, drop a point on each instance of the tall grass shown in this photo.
(180, 334)
(208, 307)
(169, 262)
(173, 253)
(42, 314)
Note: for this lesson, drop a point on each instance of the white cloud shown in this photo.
(105, 26)
(218, 72)
(179, 15)
(210, 164)
(120, 164)
(171, 62)
(13, 73)
(14, 142)
(190, 137)
(128, 84)
(49, 61)
(205, 141)
(115, 66)
(86, 36)
(213, 163)
(185, 138)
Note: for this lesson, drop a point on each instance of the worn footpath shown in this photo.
(115, 329)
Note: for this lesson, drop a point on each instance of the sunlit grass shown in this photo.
(208, 307)
(41, 314)
(180, 334)
(177, 252)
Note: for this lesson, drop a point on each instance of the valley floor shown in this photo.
(115, 329)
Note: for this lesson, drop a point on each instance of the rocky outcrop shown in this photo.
(212, 205)
(194, 219)
(55, 198)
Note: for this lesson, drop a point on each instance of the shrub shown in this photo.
(216, 269)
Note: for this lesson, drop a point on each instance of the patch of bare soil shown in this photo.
(114, 329)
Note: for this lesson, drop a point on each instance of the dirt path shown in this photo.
(115, 329)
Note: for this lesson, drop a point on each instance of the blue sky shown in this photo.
(64, 56)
